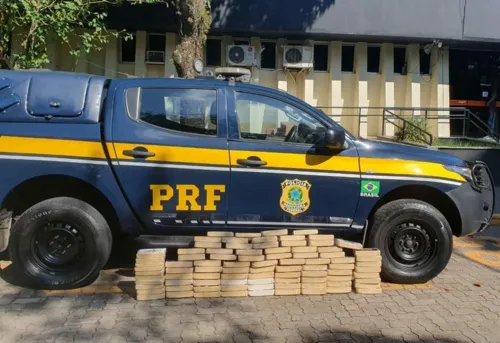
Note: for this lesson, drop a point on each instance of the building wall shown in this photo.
(377, 20)
(336, 91)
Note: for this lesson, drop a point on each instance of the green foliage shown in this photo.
(79, 24)
(414, 130)
(464, 143)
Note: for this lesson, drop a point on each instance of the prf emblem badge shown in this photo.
(295, 196)
(370, 189)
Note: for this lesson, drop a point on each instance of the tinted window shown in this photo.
(268, 119)
(156, 42)
(268, 55)
(241, 42)
(213, 52)
(373, 59)
(321, 57)
(348, 58)
(186, 110)
(399, 60)
(425, 63)
(127, 53)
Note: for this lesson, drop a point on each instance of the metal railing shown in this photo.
(474, 122)
(469, 123)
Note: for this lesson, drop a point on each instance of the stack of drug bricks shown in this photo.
(207, 272)
(367, 271)
(300, 269)
(236, 266)
(150, 274)
(261, 277)
(340, 270)
(224, 264)
(179, 279)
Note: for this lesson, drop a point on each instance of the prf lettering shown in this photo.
(187, 197)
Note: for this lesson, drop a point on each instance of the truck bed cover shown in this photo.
(37, 95)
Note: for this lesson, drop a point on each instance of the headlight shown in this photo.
(465, 172)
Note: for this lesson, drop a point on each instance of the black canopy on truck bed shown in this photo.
(37, 95)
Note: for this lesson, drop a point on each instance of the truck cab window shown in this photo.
(268, 119)
(185, 110)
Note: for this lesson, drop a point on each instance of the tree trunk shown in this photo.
(194, 19)
(5, 36)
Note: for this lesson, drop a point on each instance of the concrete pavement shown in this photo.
(461, 305)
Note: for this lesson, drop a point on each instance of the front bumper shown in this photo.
(5, 225)
(475, 202)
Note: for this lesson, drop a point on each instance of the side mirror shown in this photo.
(334, 139)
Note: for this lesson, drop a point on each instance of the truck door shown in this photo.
(280, 174)
(170, 153)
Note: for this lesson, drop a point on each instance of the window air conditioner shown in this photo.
(298, 57)
(155, 57)
(240, 55)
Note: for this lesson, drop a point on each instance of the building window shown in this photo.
(348, 58)
(268, 55)
(321, 57)
(425, 63)
(373, 59)
(127, 49)
(156, 42)
(241, 42)
(213, 54)
(155, 48)
(399, 60)
(184, 110)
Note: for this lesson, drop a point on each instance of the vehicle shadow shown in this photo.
(121, 262)
(14, 277)
(122, 258)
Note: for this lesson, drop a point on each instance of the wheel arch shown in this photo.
(40, 188)
(428, 194)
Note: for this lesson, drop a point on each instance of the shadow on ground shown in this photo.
(122, 258)
(99, 319)
(47, 316)
(482, 248)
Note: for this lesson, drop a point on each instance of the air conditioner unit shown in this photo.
(298, 57)
(240, 55)
(155, 57)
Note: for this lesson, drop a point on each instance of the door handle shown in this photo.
(252, 161)
(139, 152)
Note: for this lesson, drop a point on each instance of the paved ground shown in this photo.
(462, 304)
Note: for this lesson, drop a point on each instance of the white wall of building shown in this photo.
(331, 88)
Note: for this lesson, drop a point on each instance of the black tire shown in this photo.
(414, 238)
(60, 243)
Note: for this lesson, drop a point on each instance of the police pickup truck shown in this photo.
(85, 159)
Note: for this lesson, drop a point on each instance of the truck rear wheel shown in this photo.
(414, 238)
(60, 243)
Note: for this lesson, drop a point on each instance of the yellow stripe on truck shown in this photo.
(348, 164)
(406, 167)
(175, 154)
(54, 147)
(282, 160)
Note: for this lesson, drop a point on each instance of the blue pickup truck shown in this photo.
(85, 159)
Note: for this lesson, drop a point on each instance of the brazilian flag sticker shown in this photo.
(370, 189)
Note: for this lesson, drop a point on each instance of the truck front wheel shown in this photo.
(414, 238)
(60, 243)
